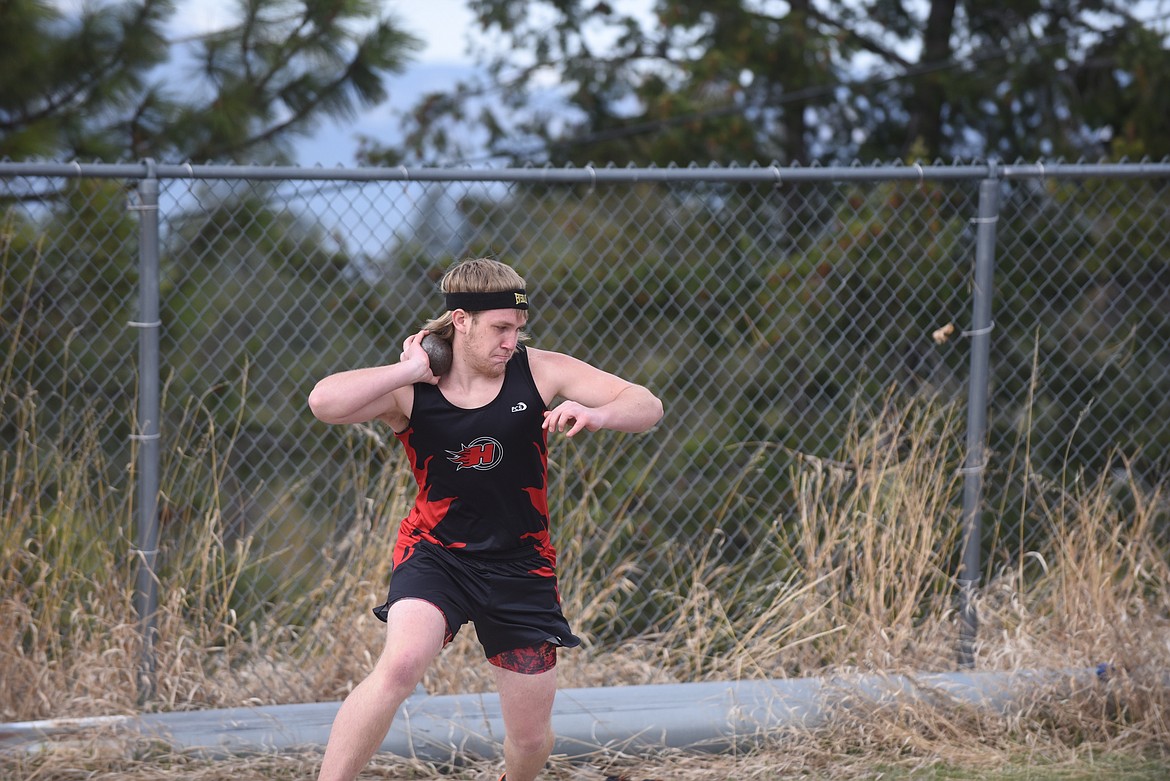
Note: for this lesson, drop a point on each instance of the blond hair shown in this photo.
(474, 275)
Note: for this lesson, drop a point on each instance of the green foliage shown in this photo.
(105, 83)
(57, 72)
(19, 257)
(69, 292)
(802, 82)
(1083, 303)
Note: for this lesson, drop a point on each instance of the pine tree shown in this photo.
(106, 83)
(740, 81)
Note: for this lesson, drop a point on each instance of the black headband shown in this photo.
(479, 302)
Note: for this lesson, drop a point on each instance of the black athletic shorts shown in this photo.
(511, 607)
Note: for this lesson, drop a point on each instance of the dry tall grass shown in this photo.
(873, 540)
(857, 577)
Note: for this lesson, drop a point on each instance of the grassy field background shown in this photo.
(870, 546)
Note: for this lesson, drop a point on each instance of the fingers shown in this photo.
(414, 340)
(412, 350)
(566, 421)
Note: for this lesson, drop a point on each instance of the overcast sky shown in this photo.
(442, 24)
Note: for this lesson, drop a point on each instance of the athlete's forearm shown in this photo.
(634, 410)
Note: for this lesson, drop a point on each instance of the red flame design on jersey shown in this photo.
(425, 515)
(538, 495)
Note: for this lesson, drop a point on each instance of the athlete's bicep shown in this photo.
(557, 374)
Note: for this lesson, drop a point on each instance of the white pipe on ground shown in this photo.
(699, 716)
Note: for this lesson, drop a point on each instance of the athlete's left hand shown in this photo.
(570, 418)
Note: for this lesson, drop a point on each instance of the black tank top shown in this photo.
(481, 473)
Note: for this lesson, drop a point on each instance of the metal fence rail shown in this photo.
(775, 310)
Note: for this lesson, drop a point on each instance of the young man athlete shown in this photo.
(475, 546)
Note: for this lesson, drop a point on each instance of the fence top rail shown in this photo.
(591, 175)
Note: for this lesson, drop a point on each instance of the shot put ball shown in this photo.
(439, 353)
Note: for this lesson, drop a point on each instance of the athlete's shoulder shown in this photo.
(555, 373)
(535, 355)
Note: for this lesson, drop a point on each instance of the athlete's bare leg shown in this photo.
(526, 703)
(414, 635)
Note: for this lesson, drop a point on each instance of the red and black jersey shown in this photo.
(481, 473)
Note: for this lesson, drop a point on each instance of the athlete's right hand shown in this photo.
(414, 355)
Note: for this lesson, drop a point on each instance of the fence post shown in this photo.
(977, 402)
(147, 433)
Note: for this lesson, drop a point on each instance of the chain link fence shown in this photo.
(779, 313)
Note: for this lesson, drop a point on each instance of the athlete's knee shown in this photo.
(397, 676)
(532, 741)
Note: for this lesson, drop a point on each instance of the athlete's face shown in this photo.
(491, 338)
